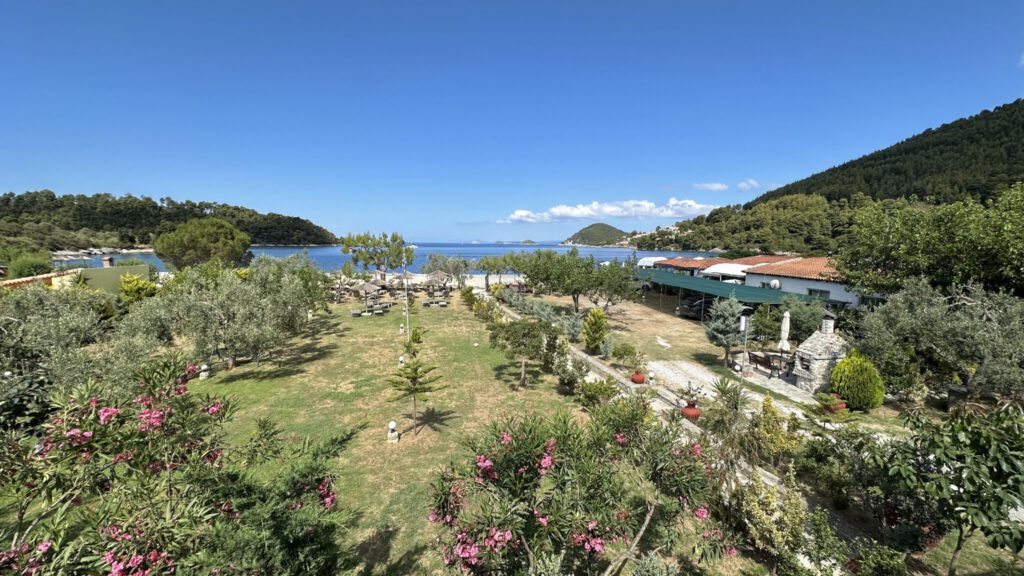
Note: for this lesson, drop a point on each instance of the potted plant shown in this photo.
(691, 394)
(639, 365)
(832, 403)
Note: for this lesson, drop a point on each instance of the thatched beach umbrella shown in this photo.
(439, 278)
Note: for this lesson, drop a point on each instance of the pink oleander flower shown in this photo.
(506, 438)
(701, 513)
(731, 552)
(179, 390)
(213, 408)
(107, 414)
(542, 520)
(135, 561)
(546, 463)
(150, 419)
(621, 439)
(44, 546)
(485, 468)
(122, 457)
(591, 525)
(695, 450)
(433, 517)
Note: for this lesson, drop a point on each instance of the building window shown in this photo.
(766, 284)
(819, 294)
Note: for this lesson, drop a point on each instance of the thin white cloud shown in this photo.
(748, 184)
(1021, 63)
(636, 209)
(711, 186)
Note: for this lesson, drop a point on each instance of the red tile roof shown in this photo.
(691, 263)
(807, 268)
(763, 259)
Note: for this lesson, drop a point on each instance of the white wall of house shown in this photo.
(837, 291)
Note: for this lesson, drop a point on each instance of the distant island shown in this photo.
(599, 234)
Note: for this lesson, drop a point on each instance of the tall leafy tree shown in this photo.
(415, 380)
(614, 283)
(382, 252)
(522, 340)
(971, 465)
(201, 240)
(965, 336)
(723, 325)
(455, 266)
(574, 275)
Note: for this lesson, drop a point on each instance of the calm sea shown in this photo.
(330, 258)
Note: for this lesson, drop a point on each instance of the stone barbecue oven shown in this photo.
(816, 356)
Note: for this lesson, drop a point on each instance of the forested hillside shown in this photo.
(972, 160)
(43, 220)
(599, 234)
(972, 157)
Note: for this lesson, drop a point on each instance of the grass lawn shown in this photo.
(334, 379)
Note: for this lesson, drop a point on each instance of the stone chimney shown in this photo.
(828, 325)
(108, 261)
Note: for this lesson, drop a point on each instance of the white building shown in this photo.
(649, 261)
(807, 276)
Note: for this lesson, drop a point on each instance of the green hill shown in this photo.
(598, 234)
(973, 157)
(44, 220)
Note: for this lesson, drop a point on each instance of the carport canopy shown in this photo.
(741, 292)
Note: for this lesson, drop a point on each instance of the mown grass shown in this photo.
(334, 379)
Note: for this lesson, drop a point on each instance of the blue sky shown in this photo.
(479, 119)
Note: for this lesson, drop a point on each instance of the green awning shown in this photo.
(741, 292)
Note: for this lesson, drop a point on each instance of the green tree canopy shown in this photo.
(723, 325)
(382, 252)
(202, 240)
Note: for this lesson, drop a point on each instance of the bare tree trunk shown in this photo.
(576, 303)
(725, 361)
(415, 428)
(632, 547)
(522, 373)
(961, 538)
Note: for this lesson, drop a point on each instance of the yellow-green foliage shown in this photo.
(595, 328)
(770, 434)
(857, 380)
(775, 518)
(135, 288)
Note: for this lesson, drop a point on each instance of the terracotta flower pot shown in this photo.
(839, 405)
(638, 377)
(691, 412)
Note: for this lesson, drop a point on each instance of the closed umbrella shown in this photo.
(784, 333)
